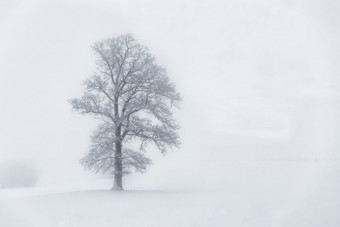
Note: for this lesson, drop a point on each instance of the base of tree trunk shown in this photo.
(116, 188)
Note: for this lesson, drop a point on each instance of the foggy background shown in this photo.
(259, 81)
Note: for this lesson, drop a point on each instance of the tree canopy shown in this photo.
(133, 97)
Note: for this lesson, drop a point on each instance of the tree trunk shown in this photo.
(118, 173)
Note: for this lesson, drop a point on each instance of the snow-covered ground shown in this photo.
(269, 193)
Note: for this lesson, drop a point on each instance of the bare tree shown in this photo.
(133, 97)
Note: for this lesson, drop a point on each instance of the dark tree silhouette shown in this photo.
(133, 97)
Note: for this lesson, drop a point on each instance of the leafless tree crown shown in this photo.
(133, 97)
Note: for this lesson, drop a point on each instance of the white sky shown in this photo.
(247, 70)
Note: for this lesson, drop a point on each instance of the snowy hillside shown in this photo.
(275, 193)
